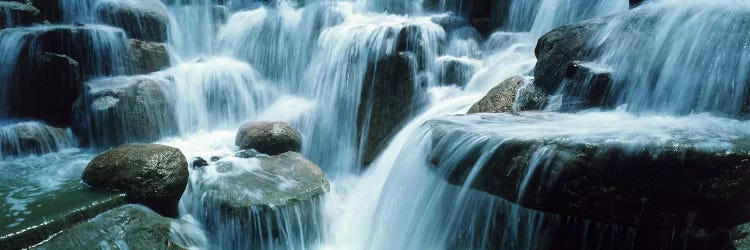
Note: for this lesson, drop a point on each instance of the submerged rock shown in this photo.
(268, 137)
(586, 85)
(147, 57)
(120, 110)
(387, 98)
(126, 227)
(17, 14)
(511, 96)
(150, 174)
(692, 178)
(258, 198)
(455, 71)
(33, 138)
(145, 19)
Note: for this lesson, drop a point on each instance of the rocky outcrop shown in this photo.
(511, 96)
(146, 20)
(14, 14)
(54, 78)
(388, 93)
(650, 185)
(33, 138)
(150, 174)
(270, 138)
(147, 57)
(129, 227)
(124, 109)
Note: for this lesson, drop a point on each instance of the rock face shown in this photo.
(33, 138)
(124, 109)
(54, 78)
(556, 50)
(511, 96)
(387, 98)
(14, 14)
(126, 227)
(148, 57)
(145, 20)
(150, 174)
(454, 71)
(270, 138)
(586, 85)
(655, 185)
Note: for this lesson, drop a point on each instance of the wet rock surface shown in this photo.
(677, 183)
(150, 174)
(388, 91)
(271, 138)
(126, 227)
(512, 95)
(124, 109)
(33, 138)
(145, 20)
(14, 14)
(147, 57)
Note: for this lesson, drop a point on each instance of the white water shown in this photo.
(305, 65)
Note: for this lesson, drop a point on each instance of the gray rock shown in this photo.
(144, 19)
(454, 71)
(150, 174)
(586, 85)
(268, 137)
(33, 138)
(387, 98)
(651, 185)
(14, 14)
(124, 109)
(126, 227)
(148, 57)
(511, 96)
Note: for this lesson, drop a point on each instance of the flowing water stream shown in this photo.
(306, 64)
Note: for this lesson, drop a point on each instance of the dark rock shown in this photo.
(219, 14)
(150, 174)
(248, 153)
(586, 85)
(133, 226)
(146, 20)
(215, 158)
(511, 96)
(54, 78)
(50, 10)
(33, 138)
(652, 185)
(454, 71)
(124, 109)
(148, 57)
(14, 14)
(387, 97)
(635, 3)
(199, 163)
(268, 137)
(556, 50)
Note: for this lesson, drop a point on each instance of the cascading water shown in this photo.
(374, 88)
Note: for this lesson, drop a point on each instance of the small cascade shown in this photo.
(25, 138)
(677, 57)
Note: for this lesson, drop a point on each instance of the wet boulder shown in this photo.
(150, 174)
(556, 50)
(54, 78)
(387, 100)
(120, 110)
(126, 227)
(511, 96)
(270, 138)
(33, 138)
(455, 71)
(14, 14)
(147, 57)
(626, 176)
(586, 85)
(253, 198)
(146, 20)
